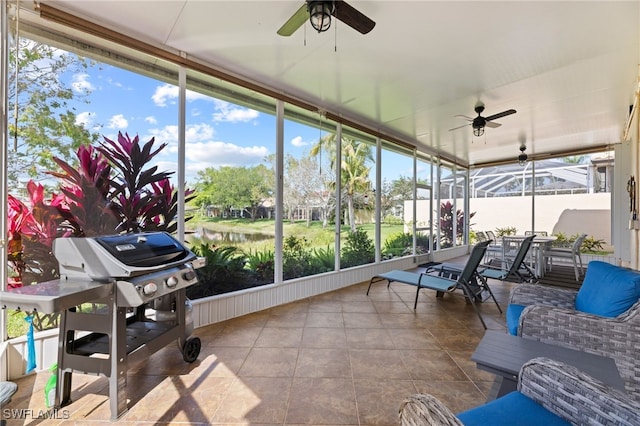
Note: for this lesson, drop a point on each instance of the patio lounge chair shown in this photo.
(549, 393)
(466, 280)
(517, 268)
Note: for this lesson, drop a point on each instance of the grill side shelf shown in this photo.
(54, 296)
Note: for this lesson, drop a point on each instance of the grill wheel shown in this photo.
(191, 349)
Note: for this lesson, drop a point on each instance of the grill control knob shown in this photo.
(171, 282)
(149, 289)
(189, 275)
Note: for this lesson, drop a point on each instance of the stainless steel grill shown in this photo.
(121, 298)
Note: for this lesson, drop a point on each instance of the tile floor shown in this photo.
(341, 358)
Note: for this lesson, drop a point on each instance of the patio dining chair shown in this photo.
(572, 253)
(495, 248)
(541, 233)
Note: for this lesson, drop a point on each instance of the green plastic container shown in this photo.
(50, 387)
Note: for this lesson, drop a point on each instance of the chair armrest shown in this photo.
(426, 410)
(575, 396)
(533, 294)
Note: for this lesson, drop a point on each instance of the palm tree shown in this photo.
(354, 167)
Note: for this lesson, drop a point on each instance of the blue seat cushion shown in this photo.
(513, 317)
(608, 290)
(510, 410)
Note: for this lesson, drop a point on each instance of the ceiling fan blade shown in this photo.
(464, 116)
(492, 124)
(460, 127)
(500, 114)
(295, 22)
(352, 17)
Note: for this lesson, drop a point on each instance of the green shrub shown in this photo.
(358, 250)
(297, 260)
(392, 220)
(397, 244)
(401, 244)
(223, 272)
(507, 230)
(590, 244)
(324, 258)
(262, 264)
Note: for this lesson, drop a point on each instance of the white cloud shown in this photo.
(297, 141)
(151, 120)
(114, 83)
(167, 94)
(118, 122)
(193, 133)
(224, 111)
(81, 84)
(216, 154)
(85, 119)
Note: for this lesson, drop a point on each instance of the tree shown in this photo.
(356, 156)
(245, 188)
(42, 124)
(307, 185)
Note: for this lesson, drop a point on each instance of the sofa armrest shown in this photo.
(571, 328)
(532, 294)
(426, 410)
(575, 396)
(615, 338)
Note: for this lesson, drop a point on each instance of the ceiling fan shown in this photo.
(478, 123)
(319, 14)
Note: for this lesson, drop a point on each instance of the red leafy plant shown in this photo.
(112, 189)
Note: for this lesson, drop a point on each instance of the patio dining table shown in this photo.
(510, 243)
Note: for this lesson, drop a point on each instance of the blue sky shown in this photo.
(218, 133)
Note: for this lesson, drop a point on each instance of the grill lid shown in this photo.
(116, 256)
(144, 250)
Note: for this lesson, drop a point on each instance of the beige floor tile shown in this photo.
(379, 399)
(318, 362)
(270, 362)
(322, 401)
(320, 337)
(378, 364)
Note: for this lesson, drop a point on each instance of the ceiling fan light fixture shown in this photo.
(522, 158)
(478, 131)
(320, 15)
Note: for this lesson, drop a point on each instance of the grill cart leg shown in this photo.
(63, 384)
(118, 376)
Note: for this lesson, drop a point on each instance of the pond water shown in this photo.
(229, 237)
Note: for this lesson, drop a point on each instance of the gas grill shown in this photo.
(121, 298)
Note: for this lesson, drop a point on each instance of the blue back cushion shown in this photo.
(513, 317)
(608, 290)
(512, 409)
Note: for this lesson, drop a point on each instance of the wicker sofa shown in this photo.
(549, 393)
(610, 326)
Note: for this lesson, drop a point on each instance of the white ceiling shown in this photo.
(568, 68)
